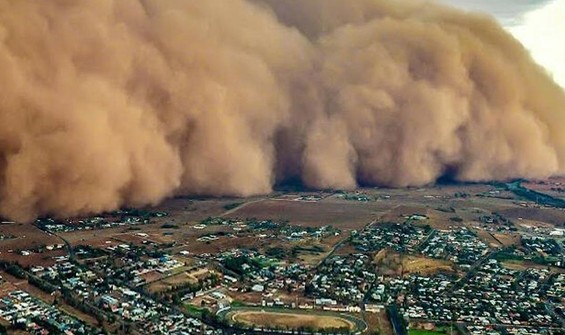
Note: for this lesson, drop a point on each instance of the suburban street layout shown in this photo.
(466, 259)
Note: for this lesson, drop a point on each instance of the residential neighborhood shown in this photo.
(403, 272)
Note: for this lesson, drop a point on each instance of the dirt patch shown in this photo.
(177, 280)
(488, 238)
(507, 239)
(378, 321)
(32, 241)
(391, 263)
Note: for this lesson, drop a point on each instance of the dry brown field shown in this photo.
(27, 237)
(6, 287)
(96, 237)
(389, 263)
(247, 297)
(290, 320)
(425, 265)
(522, 265)
(160, 285)
(225, 243)
(507, 239)
(488, 238)
(345, 215)
(183, 210)
(378, 321)
(541, 215)
(550, 186)
(17, 332)
(151, 276)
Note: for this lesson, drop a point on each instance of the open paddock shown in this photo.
(187, 210)
(345, 215)
(141, 237)
(225, 243)
(378, 321)
(165, 283)
(488, 238)
(25, 237)
(507, 239)
(389, 263)
(426, 265)
(524, 265)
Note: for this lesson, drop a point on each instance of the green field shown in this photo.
(193, 310)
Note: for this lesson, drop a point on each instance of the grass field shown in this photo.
(193, 310)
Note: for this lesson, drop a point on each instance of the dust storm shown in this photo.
(110, 103)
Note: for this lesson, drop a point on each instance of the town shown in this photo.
(446, 264)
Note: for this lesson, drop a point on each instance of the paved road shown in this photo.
(470, 273)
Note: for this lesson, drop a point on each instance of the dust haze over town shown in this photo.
(282, 167)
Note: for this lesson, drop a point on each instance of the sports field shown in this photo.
(292, 319)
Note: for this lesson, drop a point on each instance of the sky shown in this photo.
(538, 24)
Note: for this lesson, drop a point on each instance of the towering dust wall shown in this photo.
(124, 102)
